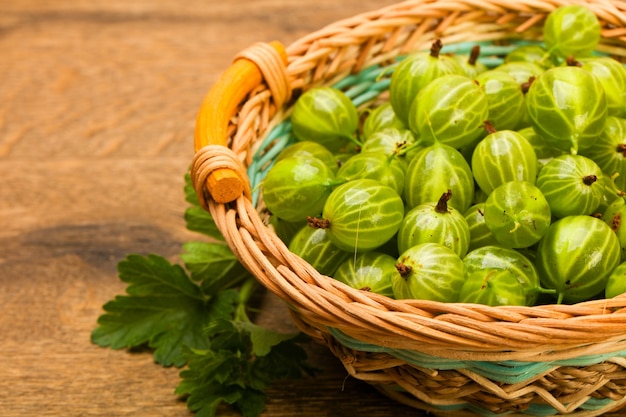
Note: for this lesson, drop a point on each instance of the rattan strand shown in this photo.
(455, 331)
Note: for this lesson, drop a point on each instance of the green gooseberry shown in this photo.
(429, 271)
(361, 215)
(616, 284)
(492, 287)
(434, 170)
(435, 222)
(470, 62)
(392, 141)
(415, 72)
(615, 217)
(517, 214)
(307, 148)
(567, 107)
(450, 109)
(496, 257)
(571, 30)
(480, 235)
(505, 98)
(369, 271)
(314, 246)
(523, 72)
(609, 150)
(532, 53)
(285, 230)
(576, 257)
(388, 170)
(503, 156)
(612, 76)
(325, 115)
(381, 117)
(544, 152)
(297, 187)
(571, 185)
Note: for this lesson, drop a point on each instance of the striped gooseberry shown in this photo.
(307, 148)
(492, 287)
(379, 118)
(567, 108)
(285, 230)
(325, 115)
(505, 98)
(361, 215)
(388, 170)
(571, 185)
(470, 63)
(503, 156)
(392, 141)
(314, 246)
(429, 271)
(435, 222)
(533, 53)
(521, 71)
(571, 30)
(517, 214)
(612, 75)
(450, 109)
(576, 257)
(297, 187)
(370, 271)
(434, 170)
(480, 235)
(543, 151)
(495, 257)
(615, 217)
(616, 284)
(609, 150)
(415, 72)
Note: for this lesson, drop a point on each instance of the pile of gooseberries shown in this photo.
(499, 185)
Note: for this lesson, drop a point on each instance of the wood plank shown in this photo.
(97, 108)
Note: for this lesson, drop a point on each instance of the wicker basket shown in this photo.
(449, 359)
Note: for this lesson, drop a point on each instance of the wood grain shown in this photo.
(97, 106)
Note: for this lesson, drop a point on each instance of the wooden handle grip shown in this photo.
(218, 107)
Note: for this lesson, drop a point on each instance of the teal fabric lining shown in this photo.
(507, 372)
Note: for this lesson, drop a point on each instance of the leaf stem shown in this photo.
(245, 293)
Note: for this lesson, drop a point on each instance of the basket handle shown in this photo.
(220, 105)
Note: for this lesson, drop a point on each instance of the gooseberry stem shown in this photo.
(404, 148)
(435, 48)
(317, 223)
(489, 128)
(572, 62)
(589, 179)
(474, 54)
(403, 269)
(526, 86)
(621, 148)
(541, 290)
(442, 204)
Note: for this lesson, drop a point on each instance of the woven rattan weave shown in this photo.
(447, 358)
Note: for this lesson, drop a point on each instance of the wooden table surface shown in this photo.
(98, 100)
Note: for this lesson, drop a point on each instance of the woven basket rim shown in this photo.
(451, 330)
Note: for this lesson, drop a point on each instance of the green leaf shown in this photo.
(163, 308)
(251, 403)
(214, 265)
(156, 275)
(232, 365)
(190, 193)
(199, 220)
(262, 338)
